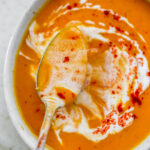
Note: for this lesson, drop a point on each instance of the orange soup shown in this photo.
(112, 110)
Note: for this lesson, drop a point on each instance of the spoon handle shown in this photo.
(50, 110)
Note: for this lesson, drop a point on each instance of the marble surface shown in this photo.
(11, 11)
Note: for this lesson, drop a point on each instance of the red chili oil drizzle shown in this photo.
(73, 95)
(75, 4)
(100, 44)
(79, 148)
(134, 116)
(116, 17)
(106, 12)
(120, 109)
(75, 37)
(106, 123)
(148, 74)
(61, 95)
(69, 7)
(37, 110)
(119, 29)
(60, 116)
(135, 96)
(66, 59)
(122, 119)
(113, 92)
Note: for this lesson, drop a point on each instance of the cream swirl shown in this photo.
(116, 74)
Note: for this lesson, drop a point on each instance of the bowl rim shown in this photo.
(14, 114)
(8, 85)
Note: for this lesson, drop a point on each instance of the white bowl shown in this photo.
(15, 116)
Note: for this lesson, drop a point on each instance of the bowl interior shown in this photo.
(15, 116)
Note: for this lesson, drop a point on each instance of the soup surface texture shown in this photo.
(112, 110)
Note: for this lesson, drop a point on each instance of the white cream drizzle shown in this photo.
(37, 41)
(60, 8)
(82, 1)
(109, 64)
(25, 56)
(86, 6)
(102, 24)
(93, 33)
(89, 22)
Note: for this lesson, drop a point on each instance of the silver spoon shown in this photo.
(61, 75)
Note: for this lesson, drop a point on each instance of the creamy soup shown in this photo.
(112, 110)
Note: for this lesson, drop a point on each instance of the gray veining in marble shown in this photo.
(11, 11)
